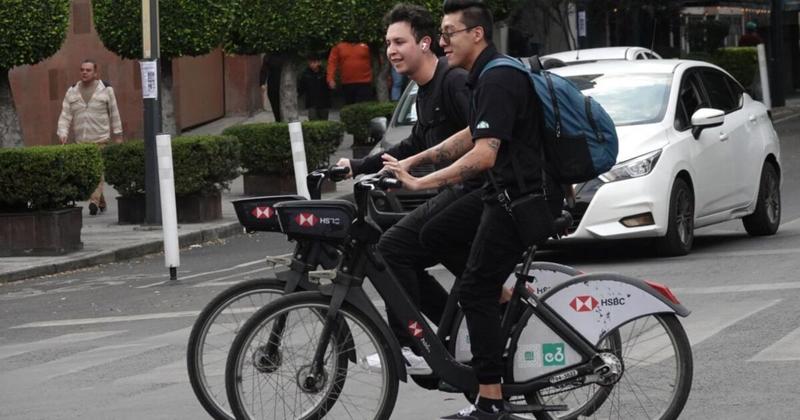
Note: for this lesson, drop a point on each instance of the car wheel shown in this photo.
(680, 226)
(767, 217)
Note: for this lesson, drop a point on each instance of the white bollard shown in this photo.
(299, 158)
(762, 71)
(169, 215)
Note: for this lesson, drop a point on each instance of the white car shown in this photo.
(591, 55)
(694, 149)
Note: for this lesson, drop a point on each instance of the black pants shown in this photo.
(484, 266)
(357, 92)
(404, 255)
(274, 96)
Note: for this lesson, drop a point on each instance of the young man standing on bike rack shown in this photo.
(504, 134)
(442, 106)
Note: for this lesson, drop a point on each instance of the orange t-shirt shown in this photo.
(352, 61)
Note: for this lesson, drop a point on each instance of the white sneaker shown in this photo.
(415, 365)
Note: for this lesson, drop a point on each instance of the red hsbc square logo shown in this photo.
(306, 219)
(262, 212)
(414, 329)
(584, 304)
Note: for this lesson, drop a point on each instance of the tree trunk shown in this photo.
(10, 132)
(167, 100)
(381, 87)
(289, 111)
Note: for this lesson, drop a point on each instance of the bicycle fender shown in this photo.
(595, 304)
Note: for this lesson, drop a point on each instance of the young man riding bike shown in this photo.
(504, 128)
(442, 106)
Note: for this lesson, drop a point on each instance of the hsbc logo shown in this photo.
(584, 304)
(262, 212)
(306, 219)
(414, 329)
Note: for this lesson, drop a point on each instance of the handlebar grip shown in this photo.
(338, 173)
(563, 222)
(387, 183)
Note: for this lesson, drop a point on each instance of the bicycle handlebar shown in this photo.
(314, 179)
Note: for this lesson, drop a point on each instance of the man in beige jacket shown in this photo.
(90, 109)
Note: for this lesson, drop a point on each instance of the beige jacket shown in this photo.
(92, 122)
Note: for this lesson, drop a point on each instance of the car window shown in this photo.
(407, 108)
(650, 56)
(718, 91)
(690, 99)
(736, 90)
(640, 56)
(629, 99)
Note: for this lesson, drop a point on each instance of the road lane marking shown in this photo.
(218, 281)
(785, 349)
(780, 120)
(31, 376)
(737, 288)
(107, 319)
(54, 342)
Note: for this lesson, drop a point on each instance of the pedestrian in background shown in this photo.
(750, 38)
(315, 89)
(353, 64)
(399, 82)
(90, 109)
(270, 81)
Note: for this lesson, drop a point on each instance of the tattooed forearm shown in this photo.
(494, 144)
(468, 171)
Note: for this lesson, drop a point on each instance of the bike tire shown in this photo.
(216, 403)
(682, 367)
(292, 308)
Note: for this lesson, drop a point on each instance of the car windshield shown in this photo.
(407, 109)
(629, 99)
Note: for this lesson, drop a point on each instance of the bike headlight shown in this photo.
(634, 168)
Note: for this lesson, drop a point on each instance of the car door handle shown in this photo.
(724, 137)
(753, 119)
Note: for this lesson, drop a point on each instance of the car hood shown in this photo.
(636, 140)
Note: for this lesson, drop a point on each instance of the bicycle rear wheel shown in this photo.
(282, 390)
(212, 335)
(656, 375)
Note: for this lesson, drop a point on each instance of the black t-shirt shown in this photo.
(505, 107)
(442, 109)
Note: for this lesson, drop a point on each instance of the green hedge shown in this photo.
(266, 149)
(200, 164)
(48, 177)
(740, 62)
(356, 118)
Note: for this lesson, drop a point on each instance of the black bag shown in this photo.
(531, 214)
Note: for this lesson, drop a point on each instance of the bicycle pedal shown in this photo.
(534, 408)
(285, 259)
(322, 276)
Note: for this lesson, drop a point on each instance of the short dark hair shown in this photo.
(90, 61)
(473, 13)
(418, 17)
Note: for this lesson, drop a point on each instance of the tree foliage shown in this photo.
(31, 31)
(186, 27)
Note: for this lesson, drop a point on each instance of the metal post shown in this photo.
(581, 25)
(152, 114)
(777, 87)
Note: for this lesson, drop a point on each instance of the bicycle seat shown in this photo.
(316, 219)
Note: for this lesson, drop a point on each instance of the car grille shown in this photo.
(584, 193)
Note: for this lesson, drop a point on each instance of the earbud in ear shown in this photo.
(424, 46)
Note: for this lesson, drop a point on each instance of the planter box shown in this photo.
(197, 208)
(258, 185)
(131, 210)
(41, 233)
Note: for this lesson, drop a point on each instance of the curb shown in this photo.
(121, 254)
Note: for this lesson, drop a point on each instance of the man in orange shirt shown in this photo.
(354, 64)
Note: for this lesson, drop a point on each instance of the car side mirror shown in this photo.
(706, 118)
(377, 128)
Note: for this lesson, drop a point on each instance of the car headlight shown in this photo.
(634, 168)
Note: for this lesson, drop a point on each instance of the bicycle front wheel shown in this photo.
(213, 333)
(656, 360)
(268, 369)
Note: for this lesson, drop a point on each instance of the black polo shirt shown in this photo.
(505, 106)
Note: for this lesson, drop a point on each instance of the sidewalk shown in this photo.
(105, 241)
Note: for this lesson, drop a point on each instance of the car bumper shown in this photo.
(601, 207)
